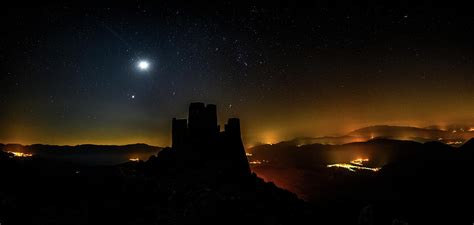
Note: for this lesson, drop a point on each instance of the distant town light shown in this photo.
(454, 142)
(255, 162)
(356, 164)
(353, 168)
(21, 154)
(359, 162)
(258, 162)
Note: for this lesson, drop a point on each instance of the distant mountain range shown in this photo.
(87, 153)
(380, 152)
(454, 135)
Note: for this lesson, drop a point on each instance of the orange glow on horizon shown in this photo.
(270, 138)
(27, 135)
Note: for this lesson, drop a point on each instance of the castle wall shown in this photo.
(200, 144)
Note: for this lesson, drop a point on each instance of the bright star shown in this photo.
(143, 65)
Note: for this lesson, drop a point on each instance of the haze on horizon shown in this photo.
(70, 75)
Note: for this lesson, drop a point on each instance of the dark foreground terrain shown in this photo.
(411, 189)
(418, 183)
(37, 191)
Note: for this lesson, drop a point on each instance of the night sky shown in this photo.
(70, 74)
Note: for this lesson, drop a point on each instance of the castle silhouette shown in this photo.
(199, 143)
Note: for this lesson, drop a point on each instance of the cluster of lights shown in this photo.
(258, 162)
(134, 159)
(21, 154)
(356, 164)
(454, 142)
(359, 162)
(353, 168)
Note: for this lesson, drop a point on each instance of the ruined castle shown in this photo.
(200, 143)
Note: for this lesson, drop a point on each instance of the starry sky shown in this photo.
(69, 73)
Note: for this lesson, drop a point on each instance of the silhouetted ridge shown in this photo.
(469, 144)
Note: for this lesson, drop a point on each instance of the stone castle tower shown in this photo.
(200, 143)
